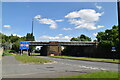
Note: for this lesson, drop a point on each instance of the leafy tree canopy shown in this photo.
(15, 40)
(109, 37)
(82, 37)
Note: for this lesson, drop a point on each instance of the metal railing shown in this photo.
(78, 43)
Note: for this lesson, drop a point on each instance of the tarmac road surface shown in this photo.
(12, 68)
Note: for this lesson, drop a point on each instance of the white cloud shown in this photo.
(59, 20)
(99, 7)
(6, 26)
(85, 14)
(90, 26)
(95, 34)
(59, 37)
(37, 17)
(72, 15)
(60, 34)
(76, 22)
(85, 18)
(52, 23)
(66, 29)
(100, 26)
(16, 35)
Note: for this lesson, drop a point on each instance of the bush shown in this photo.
(12, 51)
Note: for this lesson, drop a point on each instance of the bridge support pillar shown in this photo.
(48, 50)
(56, 50)
(44, 51)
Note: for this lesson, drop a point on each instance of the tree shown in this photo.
(15, 40)
(100, 36)
(109, 38)
(75, 50)
(29, 37)
(82, 37)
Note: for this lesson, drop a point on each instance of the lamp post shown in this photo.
(118, 6)
(36, 17)
(32, 25)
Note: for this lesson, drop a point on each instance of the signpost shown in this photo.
(24, 45)
(118, 7)
(113, 50)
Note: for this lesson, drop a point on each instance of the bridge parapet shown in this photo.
(55, 43)
(55, 46)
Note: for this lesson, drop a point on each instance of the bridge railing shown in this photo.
(82, 43)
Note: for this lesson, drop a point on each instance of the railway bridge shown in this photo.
(54, 47)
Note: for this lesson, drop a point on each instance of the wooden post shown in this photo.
(21, 51)
(27, 52)
(59, 49)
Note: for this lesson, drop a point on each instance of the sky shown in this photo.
(58, 21)
(59, 0)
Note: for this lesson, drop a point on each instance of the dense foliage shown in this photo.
(76, 50)
(13, 42)
(109, 38)
(82, 37)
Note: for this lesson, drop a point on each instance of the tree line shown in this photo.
(13, 41)
(107, 40)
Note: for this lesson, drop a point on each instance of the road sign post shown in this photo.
(113, 51)
(24, 45)
(21, 52)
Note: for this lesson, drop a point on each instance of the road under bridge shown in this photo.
(54, 47)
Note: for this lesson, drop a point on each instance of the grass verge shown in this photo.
(31, 59)
(90, 59)
(103, 74)
(7, 54)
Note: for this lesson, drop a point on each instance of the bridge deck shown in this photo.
(71, 43)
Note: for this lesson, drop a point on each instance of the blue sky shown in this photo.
(58, 20)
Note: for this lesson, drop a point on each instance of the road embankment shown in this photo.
(31, 59)
(117, 61)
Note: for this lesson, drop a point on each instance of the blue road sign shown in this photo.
(24, 45)
(113, 49)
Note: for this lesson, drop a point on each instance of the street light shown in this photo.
(32, 25)
(36, 17)
(118, 6)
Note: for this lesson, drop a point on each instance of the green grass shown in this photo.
(31, 59)
(7, 54)
(36, 54)
(86, 58)
(103, 74)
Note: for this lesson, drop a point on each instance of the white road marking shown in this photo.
(86, 67)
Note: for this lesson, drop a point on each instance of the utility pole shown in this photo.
(32, 25)
(118, 5)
